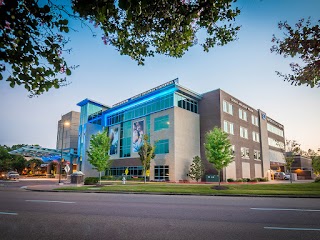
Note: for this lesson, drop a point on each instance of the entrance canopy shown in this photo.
(45, 154)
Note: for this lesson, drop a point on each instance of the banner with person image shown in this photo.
(114, 138)
(137, 135)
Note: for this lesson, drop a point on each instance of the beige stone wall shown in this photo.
(231, 171)
(246, 170)
(163, 159)
(186, 142)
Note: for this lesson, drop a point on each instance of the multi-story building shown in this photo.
(67, 133)
(176, 120)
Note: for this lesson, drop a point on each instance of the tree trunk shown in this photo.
(219, 177)
(100, 177)
(290, 175)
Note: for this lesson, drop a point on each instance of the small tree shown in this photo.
(146, 153)
(292, 148)
(196, 169)
(316, 165)
(98, 153)
(217, 147)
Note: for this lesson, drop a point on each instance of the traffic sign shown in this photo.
(67, 168)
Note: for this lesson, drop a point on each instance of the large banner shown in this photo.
(114, 137)
(137, 135)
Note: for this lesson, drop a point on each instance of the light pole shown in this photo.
(60, 165)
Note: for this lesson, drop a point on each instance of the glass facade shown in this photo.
(125, 139)
(186, 103)
(162, 146)
(275, 130)
(161, 123)
(161, 173)
(136, 171)
(147, 108)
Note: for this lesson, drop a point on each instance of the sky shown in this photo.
(244, 68)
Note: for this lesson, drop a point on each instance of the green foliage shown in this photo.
(98, 153)
(196, 169)
(146, 153)
(31, 45)
(11, 162)
(317, 180)
(91, 180)
(230, 180)
(303, 41)
(142, 29)
(217, 148)
(316, 165)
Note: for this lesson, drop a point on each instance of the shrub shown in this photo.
(230, 180)
(317, 180)
(239, 180)
(91, 180)
(254, 180)
(108, 177)
(263, 179)
(245, 179)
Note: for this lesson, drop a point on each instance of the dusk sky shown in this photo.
(244, 68)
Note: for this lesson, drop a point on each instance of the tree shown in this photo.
(146, 153)
(292, 149)
(34, 164)
(196, 169)
(303, 41)
(11, 162)
(316, 165)
(33, 35)
(98, 153)
(140, 29)
(217, 149)
(32, 43)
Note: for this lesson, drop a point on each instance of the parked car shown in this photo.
(12, 175)
(281, 176)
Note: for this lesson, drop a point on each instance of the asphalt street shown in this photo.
(53, 215)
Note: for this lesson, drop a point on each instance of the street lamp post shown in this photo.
(60, 165)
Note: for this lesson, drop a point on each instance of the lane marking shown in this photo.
(286, 209)
(8, 213)
(48, 201)
(24, 187)
(293, 229)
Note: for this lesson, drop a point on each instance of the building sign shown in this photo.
(147, 92)
(274, 123)
(263, 115)
(242, 105)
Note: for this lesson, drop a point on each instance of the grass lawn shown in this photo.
(312, 189)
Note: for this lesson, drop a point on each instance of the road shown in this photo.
(51, 215)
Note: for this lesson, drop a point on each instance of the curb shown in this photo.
(181, 194)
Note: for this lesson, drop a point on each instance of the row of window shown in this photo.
(275, 130)
(275, 143)
(245, 153)
(186, 103)
(142, 110)
(161, 172)
(228, 128)
(161, 123)
(228, 108)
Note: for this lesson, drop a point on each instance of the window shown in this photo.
(256, 155)
(125, 139)
(244, 152)
(162, 146)
(161, 123)
(228, 127)
(275, 130)
(186, 103)
(275, 143)
(255, 137)
(254, 120)
(232, 151)
(243, 132)
(227, 107)
(243, 114)
(161, 173)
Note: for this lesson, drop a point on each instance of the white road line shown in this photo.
(47, 201)
(286, 209)
(8, 213)
(293, 229)
(24, 187)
